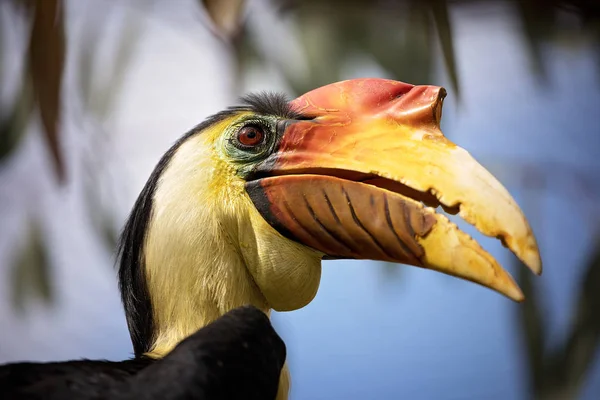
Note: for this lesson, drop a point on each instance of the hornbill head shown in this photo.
(244, 207)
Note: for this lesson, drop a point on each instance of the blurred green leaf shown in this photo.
(570, 364)
(398, 36)
(14, 124)
(441, 17)
(532, 326)
(246, 55)
(46, 64)
(537, 24)
(31, 271)
(99, 98)
(101, 218)
(410, 58)
(2, 53)
(560, 372)
(226, 16)
(594, 28)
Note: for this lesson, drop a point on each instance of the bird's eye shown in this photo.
(250, 136)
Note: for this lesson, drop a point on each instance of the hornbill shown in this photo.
(242, 209)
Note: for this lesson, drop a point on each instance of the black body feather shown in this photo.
(239, 356)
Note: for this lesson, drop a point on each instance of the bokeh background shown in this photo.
(93, 92)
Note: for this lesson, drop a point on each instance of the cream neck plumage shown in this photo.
(208, 250)
(194, 269)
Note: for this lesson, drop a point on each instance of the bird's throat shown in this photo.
(208, 250)
(194, 268)
(188, 299)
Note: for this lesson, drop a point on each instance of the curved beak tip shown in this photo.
(534, 262)
(517, 296)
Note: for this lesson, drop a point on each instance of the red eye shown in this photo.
(250, 136)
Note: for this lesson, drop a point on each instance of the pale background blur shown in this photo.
(524, 99)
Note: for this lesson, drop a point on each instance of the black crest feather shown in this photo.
(267, 103)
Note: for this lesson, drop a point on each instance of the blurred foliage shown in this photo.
(558, 373)
(390, 34)
(42, 82)
(401, 36)
(14, 123)
(30, 272)
(46, 67)
(98, 97)
(225, 16)
(406, 38)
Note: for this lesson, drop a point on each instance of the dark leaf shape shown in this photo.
(14, 123)
(226, 16)
(101, 219)
(594, 27)
(560, 373)
(408, 53)
(31, 271)
(537, 22)
(569, 365)
(532, 326)
(245, 56)
(46, 64)
(439, 9)
(100, 97)
(398, 36)
(530, 323)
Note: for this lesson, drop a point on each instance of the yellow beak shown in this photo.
(351, 182)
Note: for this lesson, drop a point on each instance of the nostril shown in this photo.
(420, 106)
(437, 105)
(398, 90)
(401, 93)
